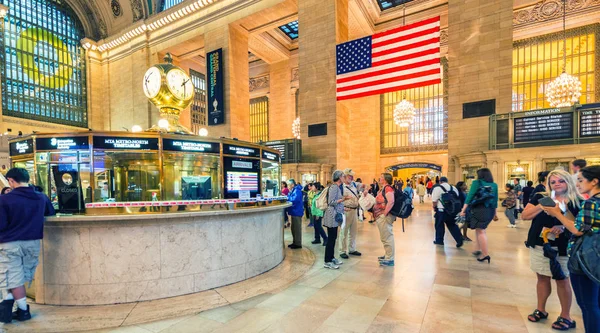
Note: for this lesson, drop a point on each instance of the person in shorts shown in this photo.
(22, 213)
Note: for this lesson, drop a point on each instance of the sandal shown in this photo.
(537, 315)
(560, 323)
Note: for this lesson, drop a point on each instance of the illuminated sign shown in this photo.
(544, 127)
(106, 142)
(241, 164)
(215, 91)
(240, 151)
(270, 156)
(589, 123)
(68, 143)
(21, 147)
(191, 146)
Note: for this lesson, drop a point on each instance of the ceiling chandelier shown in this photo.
(565, 90)
(296, 128)
(404, 113)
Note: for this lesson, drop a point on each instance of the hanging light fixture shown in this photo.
(565, 90)
(404, 112)
(296, 128)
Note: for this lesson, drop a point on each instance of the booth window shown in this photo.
(43, 63)
(126, 176)
(539, 60)
(259, 119)
(429, 131)
(198, 110)
(191, 176)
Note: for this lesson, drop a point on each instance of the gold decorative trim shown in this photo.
(551, 9)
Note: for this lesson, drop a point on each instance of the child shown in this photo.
(510, 203)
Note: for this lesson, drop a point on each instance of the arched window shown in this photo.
(43, 63)
(166, 4)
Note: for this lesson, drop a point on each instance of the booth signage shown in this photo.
(106, 142)
(242, 164)
(240, 151)
(215, 92)
(21, 147)
(62, 143)
(191, 146)
(416, 165)
(589, 123)
(270, 156)
(553, 126)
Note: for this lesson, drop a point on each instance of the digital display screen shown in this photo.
(242, 181)
(278, 145)
(64, 143)
(192, 146)
(240, 151)
(270, 156)
(21, 147)
(240, 175)
(544, 127)
(589, 124)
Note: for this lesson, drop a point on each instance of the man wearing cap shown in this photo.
(351, 217)
(441, 217)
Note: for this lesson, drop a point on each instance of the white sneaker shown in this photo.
(510, 226)
(331, 265)
(337, 262)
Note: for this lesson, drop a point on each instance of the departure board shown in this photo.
(544, 127)
(589, 123)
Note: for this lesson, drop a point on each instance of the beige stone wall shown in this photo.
(480, 68)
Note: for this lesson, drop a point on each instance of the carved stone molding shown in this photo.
(550, 9)
(260, 82)
(444, 36)
(295, 74)
(138, 10)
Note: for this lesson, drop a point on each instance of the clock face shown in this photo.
(180, 84)
(152, 81)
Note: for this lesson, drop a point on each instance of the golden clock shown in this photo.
(169, 88)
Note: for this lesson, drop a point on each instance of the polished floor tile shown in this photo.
(430, 289)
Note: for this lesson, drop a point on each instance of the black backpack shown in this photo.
(403, 205)
(450, 201)
(483, 195)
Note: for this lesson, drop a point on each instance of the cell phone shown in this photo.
(547, 202)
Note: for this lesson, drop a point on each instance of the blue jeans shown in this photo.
(319, 232)
(441, 219)
(587, 293)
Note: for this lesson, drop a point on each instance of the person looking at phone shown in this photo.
(587, 292)
(562, 193)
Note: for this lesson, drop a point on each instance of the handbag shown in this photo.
(339, 218)
(585, 252)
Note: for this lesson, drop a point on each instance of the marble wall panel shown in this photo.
(219, 278)
(125, 254)
(69, 253)
(164, 288)
(92, 294)
(236, 236)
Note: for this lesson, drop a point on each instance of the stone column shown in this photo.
(234, 42)
(323, 24)
(480, 68)
(281, 101)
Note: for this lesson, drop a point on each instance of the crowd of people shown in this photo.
(563, 208)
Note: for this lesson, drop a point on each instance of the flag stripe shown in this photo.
(430, 27)
(399, 47)
(389, 73)
(394, 78)
(407, 27)
(402, 65)
(390, 89)
(403, 38)
(432, 53)
(395, 84)
(414, 50)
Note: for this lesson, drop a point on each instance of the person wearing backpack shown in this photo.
(446, 205)
(384, 202)
(317, 215)
(510, 205)
(482, 202)
(586, 225)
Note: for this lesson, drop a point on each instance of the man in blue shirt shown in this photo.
(22, 213)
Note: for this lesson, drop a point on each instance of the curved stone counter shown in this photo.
(94, 260)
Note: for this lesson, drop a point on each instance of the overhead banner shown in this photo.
(216, 96)
(416, 165)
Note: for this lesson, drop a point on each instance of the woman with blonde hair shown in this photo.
(562, 190)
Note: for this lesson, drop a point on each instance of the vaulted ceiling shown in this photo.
(102, 18)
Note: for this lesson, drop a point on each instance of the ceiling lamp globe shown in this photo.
(564, 91)
(404, 113)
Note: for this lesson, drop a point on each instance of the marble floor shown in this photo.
(431, 289)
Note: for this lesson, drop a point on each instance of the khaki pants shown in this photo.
(386, 232)
(349, 229)
(297, 230)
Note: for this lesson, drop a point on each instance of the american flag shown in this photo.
(397, 59)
